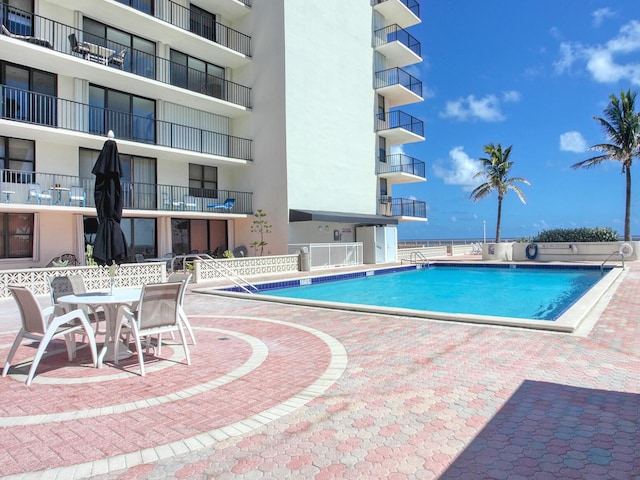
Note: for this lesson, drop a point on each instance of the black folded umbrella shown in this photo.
(110, 244)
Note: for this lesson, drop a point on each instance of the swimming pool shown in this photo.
(555, 297)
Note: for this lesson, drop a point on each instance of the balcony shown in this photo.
(405, 13)
(145, 198)
(399, 127)
(403, 209)
(398, 46)
(54, 36)
(398, 87)
(168, 22)
(45, 110)
(401, 168)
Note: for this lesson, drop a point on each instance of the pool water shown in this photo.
(540, 294)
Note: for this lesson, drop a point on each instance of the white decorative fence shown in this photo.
(204, 270)
(323, 255)
(96, 278)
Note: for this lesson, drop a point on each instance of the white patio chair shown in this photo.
(77, 194)
(44, 325)
(34, 191)
(157, 313)
(190, 202)
(184, 279)
(74, 285)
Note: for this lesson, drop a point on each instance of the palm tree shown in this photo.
(496, 169)
(622, 128)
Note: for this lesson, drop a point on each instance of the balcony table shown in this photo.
(7, 195)
(110, 303)
(59, 191)
(98, 53)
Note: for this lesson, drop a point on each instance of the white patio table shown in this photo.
(110, 303)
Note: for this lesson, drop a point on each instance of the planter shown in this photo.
(573, 251)
(500, 252)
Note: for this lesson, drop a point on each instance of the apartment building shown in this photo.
(219, 108)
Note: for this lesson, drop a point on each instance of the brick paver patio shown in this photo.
(277, 391)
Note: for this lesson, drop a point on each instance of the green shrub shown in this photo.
(597, 234)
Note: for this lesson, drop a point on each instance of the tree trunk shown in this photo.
(499, 219)
(627, 211)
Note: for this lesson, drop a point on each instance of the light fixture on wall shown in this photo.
(326, 228)
(319, 228)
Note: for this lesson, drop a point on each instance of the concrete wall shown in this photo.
(574, 252)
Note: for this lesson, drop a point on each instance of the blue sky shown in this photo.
(532, 75)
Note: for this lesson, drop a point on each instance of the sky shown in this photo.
(531, 75)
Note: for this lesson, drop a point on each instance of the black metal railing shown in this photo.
(397, 76)
(405, 207)
(398, 119)
(46, 110)
(20, 187)
(412, 5)
(395, 33)
(63, 38)
(401, 163)
(204, 26)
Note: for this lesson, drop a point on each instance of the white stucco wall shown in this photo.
(330, 106)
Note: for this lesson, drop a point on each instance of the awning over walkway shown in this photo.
(318, 216)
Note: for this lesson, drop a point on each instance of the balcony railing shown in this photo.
(135, 195)
(203, 26)
(394, 33)
(412, 5)
(401, 163)
(56, 36)
(398, 119)
(397, 76)
(405, 207)
(40, 109)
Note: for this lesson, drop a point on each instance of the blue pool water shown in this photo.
(531, 293)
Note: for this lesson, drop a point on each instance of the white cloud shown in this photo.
(459, 170)
(600, 15)
(511, 96)
(605, 62)
(472, 108)
(573, 142)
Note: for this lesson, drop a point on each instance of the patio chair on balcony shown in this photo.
(227, 205)
(118, 58)
(190, 202)
(169, 204)
(35, 192)
(78, 47)
(77, 194)
(43, 42)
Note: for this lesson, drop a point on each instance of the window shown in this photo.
(203, 23)
(145, 6)
(382, 149)
(29, 94)
(203, 181)
(203, 236)
(140, 234)
(16, 235)
(17, 16)
(141, 53)
(138, 178)
(17, 159)
(130, 117)
(197, 75)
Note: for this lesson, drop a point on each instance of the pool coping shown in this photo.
(579, 318)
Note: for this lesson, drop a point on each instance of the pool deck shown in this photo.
(288, 391)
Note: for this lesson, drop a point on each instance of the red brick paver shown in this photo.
(279, 391)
